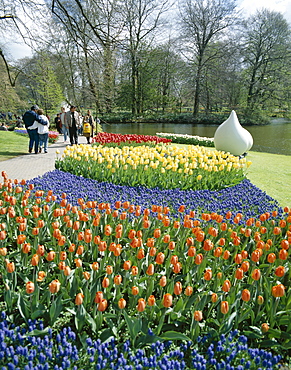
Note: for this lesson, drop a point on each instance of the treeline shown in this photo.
(142, 58)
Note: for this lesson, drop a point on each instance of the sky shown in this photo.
(19, 50)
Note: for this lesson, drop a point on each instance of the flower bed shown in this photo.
(20, 347)
(187, 139)
(109, 138)
(165, 167)
(120, 272)
(53, 135)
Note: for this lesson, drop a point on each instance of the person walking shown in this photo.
(43, 131)
(29, 118)
(88, 131)
(65, 129)
(72, 120)
(58, 123)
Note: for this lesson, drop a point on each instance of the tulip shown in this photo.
(167, 300)
(278, 290)
(226, 286)
(151, 300)
(29, 287)
(117, 279)
(134, 290)
(191, 251)
(198, 259)
(214, 297)
(157, 233)
(54, 286)
(239, 273)
(95, 266)
(79, 299)
(78, 262)
(35, 260)
(3, 251)
(283, 254)
(178, 288)
(127, 265)
(208, 275)
(134, 270)
(98, 297)
(207, 245)
(198, 315)
(271, 257)
(21, 239)
(245, 295)
(188, 291)
(86, 275)
(260, 300)
(67, 271)
(121, 303)
(105, 282)
(80, 250)
(160, 258)
(163, 281)
(217, 252)
(141, 305)
(224, 307)
(280, 271)
(256, 274)
(150, 269)
(177, 267)
(265, 328)
(63, 256)
(245, 266)
(226, 255)
(62, 265)
(40, 276)
(50, 256)
(140, 254)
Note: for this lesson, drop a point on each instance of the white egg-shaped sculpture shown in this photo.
(231, 137)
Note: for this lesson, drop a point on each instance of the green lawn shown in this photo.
(12, 145)
(269, 172)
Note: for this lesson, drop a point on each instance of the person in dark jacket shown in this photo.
(28, 118)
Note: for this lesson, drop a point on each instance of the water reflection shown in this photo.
(273, 138)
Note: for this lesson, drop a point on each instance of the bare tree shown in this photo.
(202, 22)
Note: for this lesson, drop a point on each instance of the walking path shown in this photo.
(28, 166)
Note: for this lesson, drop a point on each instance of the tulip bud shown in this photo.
(188, 291)
(245, 295)
(122, 303)
(117, 279)
(260, 299)
(98, 297)
(178, 288)
(198, 315)
(151, 300)
(79, 299)
(105, 282)
(29, 287)
(265, 328)
(54, 286)
(224, 307)
(214, 297)
(167, 300)
(141, 305)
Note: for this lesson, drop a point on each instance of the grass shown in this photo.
(12, 145)
(269, 172)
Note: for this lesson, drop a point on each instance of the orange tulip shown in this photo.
(226, 255)
(256, 274)
(140, 254)
(271, 257)
(191, 251)
(29, 287)
(50, 256)
(207, 245)
(265, 328)
(283, 254)
(167, 300)
(62, 265)
(40, 276)
(98, 297)
(80, 250)
(278, 290)
(160, 258)
(163, 281)
(226, 286)
(245, 266)
(35, 260)
(224, 307)
(280, 271)
(217, 252)
(109, 269)
(208, 275)
(239, 273)
(21, 239)
(63, 256)
(78, 262)
(178, 288)
(188, 291)
(121, 303)
(54, 286)
(95, 266)
(79, 299)
(141, 305)
(198, 259)
(117, 279)
(127, 265)
(198, 315)
(105, 282)
(3, 251)
(245, 295)
(151, 300)
(134, 270)
(86, 275)
(134, 290)
(177, 267)
(214, 297)
(67, 270)
(238, 258)
(150, 269)
(172, 245)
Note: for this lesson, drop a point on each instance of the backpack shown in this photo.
(86, 128)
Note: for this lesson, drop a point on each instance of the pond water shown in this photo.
(273, 138)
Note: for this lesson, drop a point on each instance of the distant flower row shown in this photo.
(107, 137)
(187, 139)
